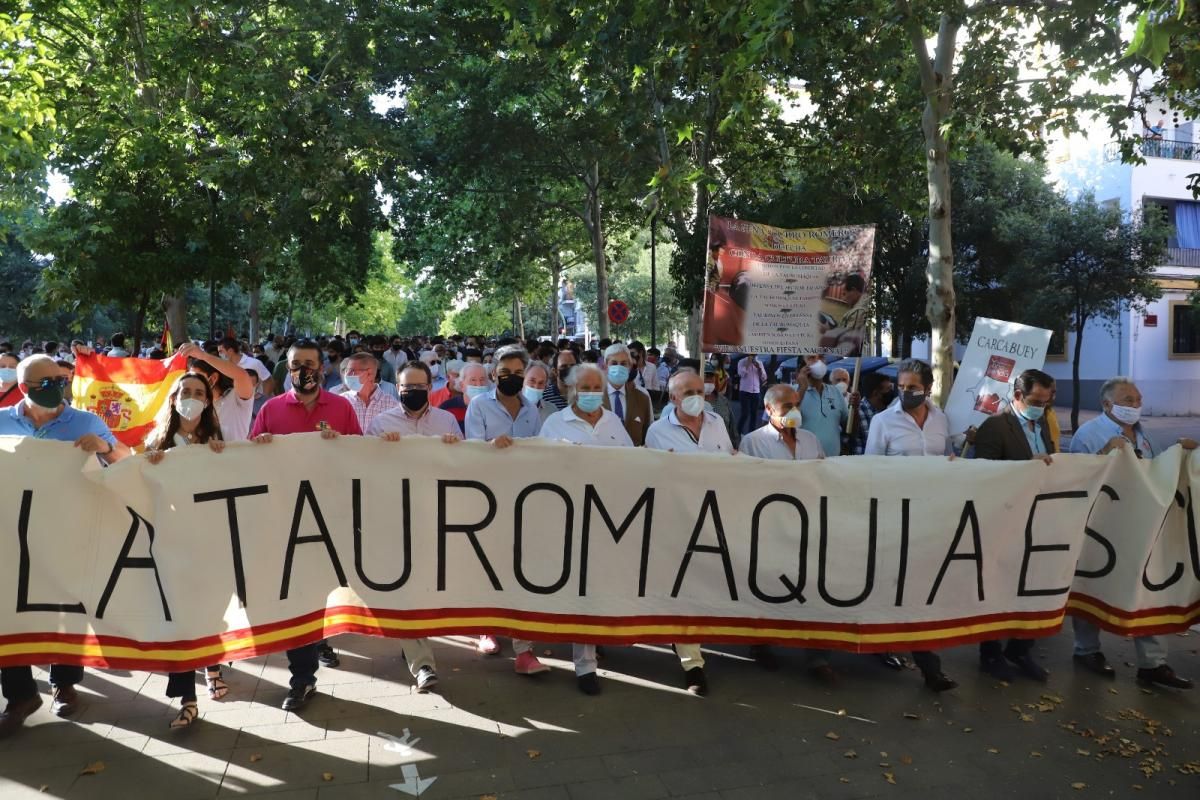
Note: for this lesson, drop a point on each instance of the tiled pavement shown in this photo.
(490, 732)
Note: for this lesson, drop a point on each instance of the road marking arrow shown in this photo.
(413, 784)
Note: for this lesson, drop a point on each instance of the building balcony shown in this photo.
(1178, 150)
(1183, 257)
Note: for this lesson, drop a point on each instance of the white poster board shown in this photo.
(998, 352)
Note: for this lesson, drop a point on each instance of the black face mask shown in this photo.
(377, 353)
(564, 371)
(911, 400)
(396, 347)
(414, 399)
(510, 385)
(305, 380)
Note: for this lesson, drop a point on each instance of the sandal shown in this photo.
(187, 715)
(217, 687)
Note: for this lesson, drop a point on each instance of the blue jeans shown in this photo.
(1151, 650)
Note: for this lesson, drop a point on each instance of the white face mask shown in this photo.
(692, 405)
(842, 387)
(709, 388)
(1126, 415)
(817, 370)
(190, 408)
(791, 419)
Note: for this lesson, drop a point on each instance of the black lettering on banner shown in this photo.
(124, 562)
(1031, 548)
(1110, 552)
(796, 589)
(1193, 543)
(592, 498)
(823, 553)
(230, 497)
(969, 517)
(902, 570)
(305, 496)
(444, 527)
(405, 521)
(519, 534)
(1176, 573)
(23, 603)
(721, 548)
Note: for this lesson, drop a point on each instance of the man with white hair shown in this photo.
(472, 382)
(433, 360)
(44, 414)
(623, 397)
(360, 385)
(537, 377)
(689, 428)
(1120, 426)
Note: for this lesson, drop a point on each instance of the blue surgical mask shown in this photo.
(588, 402)
(534, 396)
(353, 383)
(618, 374)
(476, 391)
(1032, 413)
(8, 374)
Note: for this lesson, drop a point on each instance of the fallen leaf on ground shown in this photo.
(327, 776)
(1026, 718)
(844, 780)
(1080, 751)
(1078, 785)
(255, 758)
(1035, 754)
(849, 754)
(889, 777)
(487, 797)
(882, 754)
(911, 715)
(94, 768)
(533, 753)
(1113, 691)
(905, 760)
(993, 750)
(968, 730)
(833, 737)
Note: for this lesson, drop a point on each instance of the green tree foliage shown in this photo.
(1085, 261)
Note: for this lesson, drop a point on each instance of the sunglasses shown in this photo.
(50, 383)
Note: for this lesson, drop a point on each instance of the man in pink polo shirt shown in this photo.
(306, 408)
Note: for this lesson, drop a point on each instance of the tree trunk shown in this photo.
(175, 313)
(555, 279)
(139, 323)
(519, 317)
(937, 84)
(255, 301)
(1080, 321)
(596, 229)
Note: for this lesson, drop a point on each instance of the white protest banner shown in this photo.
(786, 290)
(998, 352)
(211, 557)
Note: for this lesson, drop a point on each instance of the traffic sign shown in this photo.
(618, 312)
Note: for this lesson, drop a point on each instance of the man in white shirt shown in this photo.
(396, 356)
(689, 428)
(230, 349)
(414, 416)
(782, 439)
(752, 379)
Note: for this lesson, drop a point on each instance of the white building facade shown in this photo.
(1158, 347)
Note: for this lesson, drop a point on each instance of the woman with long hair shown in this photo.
(188, 417)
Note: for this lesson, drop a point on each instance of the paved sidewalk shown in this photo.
(493, 733)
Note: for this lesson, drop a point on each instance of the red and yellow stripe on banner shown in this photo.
(121, 653)
(126, 393)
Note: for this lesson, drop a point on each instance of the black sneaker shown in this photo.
(697, 684)
(1029, 668)
(1097, 663)
(998, 668)
(589, 684)
(327, 656)
(940, 682)
(297, 698)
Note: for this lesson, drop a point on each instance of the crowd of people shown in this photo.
(500, 391)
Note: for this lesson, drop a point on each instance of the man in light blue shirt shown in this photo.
(1120, 426)
(822, 406)
(43, 414)
(500, 416)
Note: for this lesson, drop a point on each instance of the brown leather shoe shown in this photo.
(64, 701)
(1163, 676)
(15, 714)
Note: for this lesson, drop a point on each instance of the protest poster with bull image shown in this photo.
(782, 290)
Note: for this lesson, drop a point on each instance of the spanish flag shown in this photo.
(126, 393)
